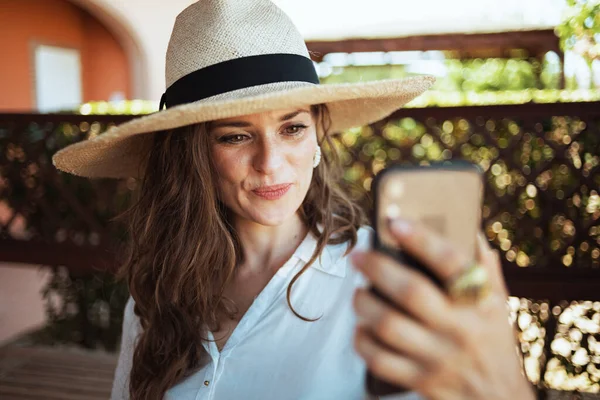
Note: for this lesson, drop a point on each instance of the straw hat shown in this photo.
(229, 58)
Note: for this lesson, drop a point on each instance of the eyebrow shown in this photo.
(235, 124)
(292, 115)
(244, 124)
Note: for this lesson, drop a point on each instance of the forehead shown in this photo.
(274, 115)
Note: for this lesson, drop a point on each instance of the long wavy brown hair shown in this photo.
(177, 273)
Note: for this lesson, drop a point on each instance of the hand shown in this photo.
(435, 346)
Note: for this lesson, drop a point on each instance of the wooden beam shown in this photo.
(584, 109)
(534, 42)
(79, 260)
(554, 284)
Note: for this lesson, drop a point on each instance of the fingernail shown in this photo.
(401, 227)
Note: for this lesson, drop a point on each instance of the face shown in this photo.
(264, 163)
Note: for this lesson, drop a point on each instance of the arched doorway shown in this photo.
(127, 37)
(63, 53)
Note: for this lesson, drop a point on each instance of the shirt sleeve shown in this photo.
(363, 243)
(131, 329)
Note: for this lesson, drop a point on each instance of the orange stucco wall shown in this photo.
(23, 23)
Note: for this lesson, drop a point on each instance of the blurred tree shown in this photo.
(580, 29)
(551, 71)
(478, 75)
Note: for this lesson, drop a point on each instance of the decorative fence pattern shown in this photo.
(542, 210)
(542, 204)
(62, 221)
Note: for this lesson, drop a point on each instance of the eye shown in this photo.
(295, 129)
(232, 139)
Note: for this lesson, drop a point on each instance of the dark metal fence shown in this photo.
(542, 204)
(542, 210)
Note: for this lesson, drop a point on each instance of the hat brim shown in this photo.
(120, 152)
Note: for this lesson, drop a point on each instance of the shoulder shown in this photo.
(129, 313)
(363, 240)
(363, 243)
(131, 330)
(340, 255)
(131, 322)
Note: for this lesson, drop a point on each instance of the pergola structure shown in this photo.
(535, 43)
(526, 43)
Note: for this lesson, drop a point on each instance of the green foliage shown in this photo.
(479, 75)
(580, 29)
(123, 107)
(551, 72)
(489, 75)
(87, 311)
(364, 73)
(60, 208)
(438, 98)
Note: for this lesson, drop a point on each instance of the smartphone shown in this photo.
(446, 197)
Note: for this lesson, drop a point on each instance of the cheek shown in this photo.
(222, 161)
(229, 167)
(302, 159)
(303, 154)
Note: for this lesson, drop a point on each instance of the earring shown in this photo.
(317, 158)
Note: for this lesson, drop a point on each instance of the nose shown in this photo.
(268, 157)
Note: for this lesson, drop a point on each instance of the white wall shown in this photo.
(144, 27)
(21, 301)
(339, 19)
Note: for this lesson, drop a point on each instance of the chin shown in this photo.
(272, 217)
(271, 213)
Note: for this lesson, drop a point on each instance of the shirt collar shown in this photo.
(329, 261)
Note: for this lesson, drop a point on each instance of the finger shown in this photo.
(408, 289)
(490, 259)
(443, 259)
(385, 364)
(483, 247)
(397, 330)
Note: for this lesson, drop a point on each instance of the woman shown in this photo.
(240, 272)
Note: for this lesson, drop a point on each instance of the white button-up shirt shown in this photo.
(272, 354)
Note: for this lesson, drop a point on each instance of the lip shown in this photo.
(272, 192)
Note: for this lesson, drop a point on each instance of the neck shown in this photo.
(267, 248)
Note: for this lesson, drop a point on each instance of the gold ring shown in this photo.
(470, 286)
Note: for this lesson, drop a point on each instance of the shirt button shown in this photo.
(206, 383)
